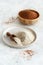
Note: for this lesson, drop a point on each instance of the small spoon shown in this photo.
(11, 36)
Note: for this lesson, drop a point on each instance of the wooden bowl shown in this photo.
(28, 16)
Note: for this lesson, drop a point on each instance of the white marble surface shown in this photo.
(10, 56)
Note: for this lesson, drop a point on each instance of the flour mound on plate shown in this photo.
(25, 39)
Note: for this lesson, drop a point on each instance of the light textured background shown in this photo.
(10, 56)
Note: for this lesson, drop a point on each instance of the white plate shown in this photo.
(13, 30)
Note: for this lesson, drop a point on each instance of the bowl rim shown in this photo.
(28, 10)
